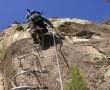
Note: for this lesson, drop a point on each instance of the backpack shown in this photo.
(34, 16)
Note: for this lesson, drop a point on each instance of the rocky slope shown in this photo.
(82, 42)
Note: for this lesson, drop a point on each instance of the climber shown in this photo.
(36, 20)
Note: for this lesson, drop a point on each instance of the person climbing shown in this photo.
(36, 20)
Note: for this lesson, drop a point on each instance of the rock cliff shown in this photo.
(81, 42)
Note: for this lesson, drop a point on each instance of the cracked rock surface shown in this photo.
(84, 43)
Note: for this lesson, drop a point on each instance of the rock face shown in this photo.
(84, 43)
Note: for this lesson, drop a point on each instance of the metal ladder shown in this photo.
(34, 72)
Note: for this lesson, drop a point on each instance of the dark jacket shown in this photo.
(38, 20)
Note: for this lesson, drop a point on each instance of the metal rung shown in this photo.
(30, 71)
(28, 87)
(29, 46)
(34, 54)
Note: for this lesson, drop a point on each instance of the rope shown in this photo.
(60, 77)
(64, 57)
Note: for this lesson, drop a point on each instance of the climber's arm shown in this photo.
(48, 22)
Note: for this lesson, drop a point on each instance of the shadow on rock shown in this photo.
(49, 40)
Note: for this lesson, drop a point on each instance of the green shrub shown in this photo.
(77, 81)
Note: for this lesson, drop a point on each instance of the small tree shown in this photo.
(77, 81)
